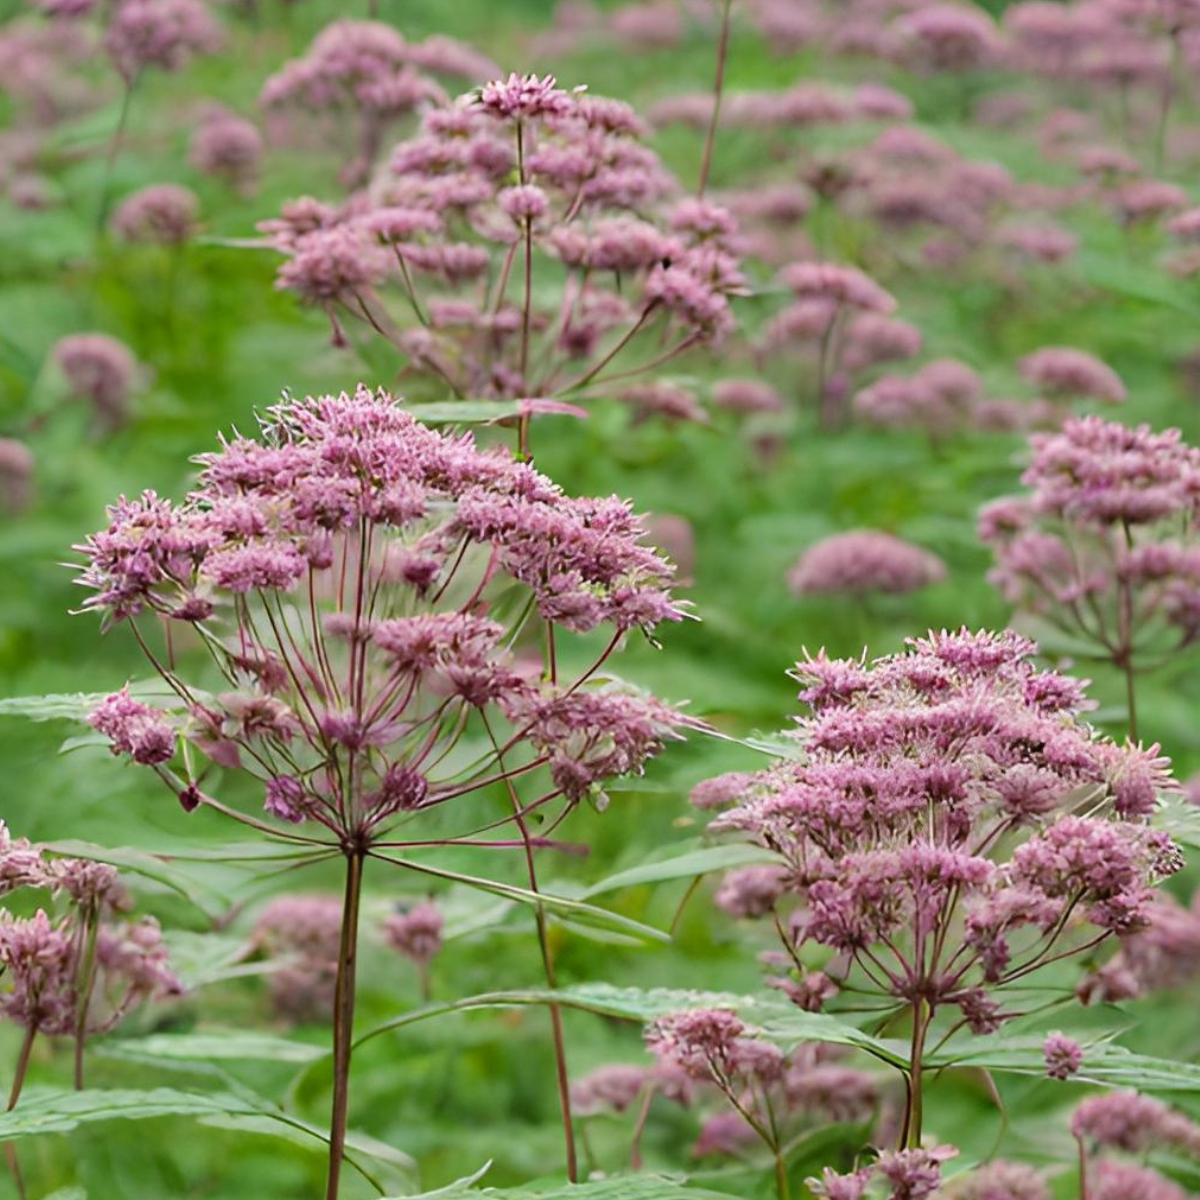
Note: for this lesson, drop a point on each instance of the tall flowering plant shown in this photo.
(531, 238)
(949, 826)
(1104, 545)
(384, 607)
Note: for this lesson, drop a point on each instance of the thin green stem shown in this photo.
(910, 1137)
(718, 91)
(782, 1188)
(543, 934)
(85, 983)
(110, 161)
(343, 1016)
(10, 1151)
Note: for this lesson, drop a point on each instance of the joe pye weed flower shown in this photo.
(384, 607)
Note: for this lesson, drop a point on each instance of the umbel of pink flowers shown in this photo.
(374, 595)
(951, 825)
(1103, 545)
(531, 238)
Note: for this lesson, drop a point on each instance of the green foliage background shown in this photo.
(462, 1089)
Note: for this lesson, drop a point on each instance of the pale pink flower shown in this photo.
(838, 284)
(159, 33)
(166, 213)
(949, 37)
(228, 147)
(864, 560)
(416, 933)
(1064, 1056)
(746, 396)
(1068, 373)
(17, 469)
(99, 369)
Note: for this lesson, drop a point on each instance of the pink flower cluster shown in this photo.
(522, 181)
(166, 213)
(1133, 1125)
(368, 69)
(227, 147)
(48, 985)
(928, 833)
(770, 1095)
(348, 573)
(1103, 545)
(101, 370)
(845, 317)
(910, 1174)
(864, 560)
(159, 33)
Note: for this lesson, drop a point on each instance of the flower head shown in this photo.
(864, 560)
(404, 549)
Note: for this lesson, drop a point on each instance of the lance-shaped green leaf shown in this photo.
(777, 1021)
(63, 706)
(53, 1110)
(689, 864)
(561, 906)
(628, 1187)
(211, 880)
(215, 1045)
(1103, 1062)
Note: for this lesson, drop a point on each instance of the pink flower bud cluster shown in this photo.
(101, 370)
(911, 185)
(842, 318)
(390, 547)
(521, 182)
(1063, 1055)
(166, 213)
(910, 1175)
(949, 37)
(227, 147)
(1109, 45)
(299, 936)
(417, 933)
(368, 69)
(159, 33)
(943, 398)
(1102, 544)
(1065, 373)
(1164, 954)
(17, 469)
(928, 834)
(1132, 1125)
(46, 984)
(772, 1094)
(999, 1180)
(864, 560)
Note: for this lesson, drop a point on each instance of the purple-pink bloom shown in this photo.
(134, 728)
(1063, 1055)
(864, 560)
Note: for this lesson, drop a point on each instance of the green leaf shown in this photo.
(627, 1187)
(465, 412)
(576, 910)
(688, 865)
(212, 1046)
(65, 706)
(211, 882)
(52, 1110)
(1103, 1063)
(1179, 818)
(776, 1021)
(457, 1188)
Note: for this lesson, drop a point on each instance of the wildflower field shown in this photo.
(599, 600)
